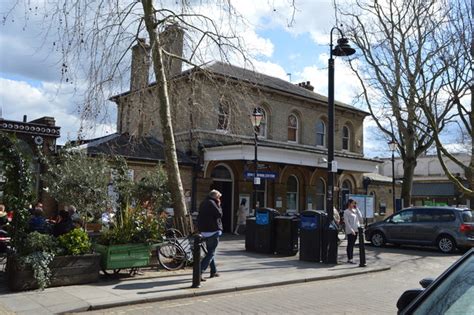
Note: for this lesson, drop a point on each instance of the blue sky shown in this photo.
(30, 74)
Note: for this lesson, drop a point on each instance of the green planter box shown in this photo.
(65, 270)
(123, 256)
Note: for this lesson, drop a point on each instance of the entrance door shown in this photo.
(225, 189)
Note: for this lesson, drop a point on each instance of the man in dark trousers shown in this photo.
(210, 226)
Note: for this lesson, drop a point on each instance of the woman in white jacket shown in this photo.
(352, 220)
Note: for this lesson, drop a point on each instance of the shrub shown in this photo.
(75, 242)
(38, 251)
(134, 225)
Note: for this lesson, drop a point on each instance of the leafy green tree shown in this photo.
(73, 178)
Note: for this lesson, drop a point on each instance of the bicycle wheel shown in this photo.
(171, 256)
(172, 233)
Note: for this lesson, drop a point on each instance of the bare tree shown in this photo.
(458, 87)
(400, 44)
(95, 36)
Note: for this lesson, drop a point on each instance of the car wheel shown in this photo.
(446, 244)
(377, 239)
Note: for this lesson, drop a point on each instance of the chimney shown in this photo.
(140, 65)
(24, 118)
(172, 39)
(306, 85)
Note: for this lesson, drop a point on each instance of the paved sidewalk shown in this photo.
(239, 270)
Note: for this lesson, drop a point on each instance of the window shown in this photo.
(221, 172)
(292, 193)
(345, 191)
(262, 132)
(403, 217)
(320, 195)
(321, 133)
(261, 192)
(346, 138)
(292, 128)
(223, 116)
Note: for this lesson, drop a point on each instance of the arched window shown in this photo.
(223, 116)
(346, 138)
(293, 128)
(321, 133)
(221, 172)
(262, 133)
(320, 194)
(292, 193)
(346, 189)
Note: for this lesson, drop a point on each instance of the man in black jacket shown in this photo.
(210, 226)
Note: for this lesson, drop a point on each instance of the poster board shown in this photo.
(365, 203)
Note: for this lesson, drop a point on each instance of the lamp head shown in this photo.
(256, 117)
(392, 145)
(343, 48)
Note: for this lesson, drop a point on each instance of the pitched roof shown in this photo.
(268, 81)
(138, 148)
(257, 78)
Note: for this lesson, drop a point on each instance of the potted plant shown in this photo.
(45, 261)
(127, 243)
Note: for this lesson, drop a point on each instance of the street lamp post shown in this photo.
(393, 146)
(256, 119)
(342, 49)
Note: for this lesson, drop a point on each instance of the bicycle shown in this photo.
(177, 251)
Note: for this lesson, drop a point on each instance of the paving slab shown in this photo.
(238, 269)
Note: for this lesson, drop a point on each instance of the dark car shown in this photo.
(447, 228)
(451, 293)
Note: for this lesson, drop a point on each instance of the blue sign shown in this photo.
(261, 174)
(309, 223)
(262, 218)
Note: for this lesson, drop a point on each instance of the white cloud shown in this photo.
(345, 82)
(271, 69)
(18, 98)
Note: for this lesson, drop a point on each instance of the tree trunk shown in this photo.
(171, 159)
(409, 165)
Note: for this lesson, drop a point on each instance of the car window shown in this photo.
(468, 216)
(454, 295)
(446, 215)
(403, 217)
(434, 215)
(424, 215)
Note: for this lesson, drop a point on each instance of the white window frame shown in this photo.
(296, 128)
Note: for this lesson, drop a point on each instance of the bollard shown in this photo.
(197, 261)
(332, 244)
(361, 248)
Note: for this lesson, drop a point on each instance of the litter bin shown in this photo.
(330, 243)
(265, 230)
(250, 234)
(311, 232)
(286, 235)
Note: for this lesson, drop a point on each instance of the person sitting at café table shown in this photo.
(64, 224)
(38, 222)
(3, 216)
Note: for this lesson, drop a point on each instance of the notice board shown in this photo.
(365, 203)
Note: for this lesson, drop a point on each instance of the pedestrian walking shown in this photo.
(241, 215)
(352, 220)
(210, 226)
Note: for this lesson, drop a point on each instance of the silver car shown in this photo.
(447, 228)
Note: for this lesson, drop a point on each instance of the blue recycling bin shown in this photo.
(311, 233)
(265, 230)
